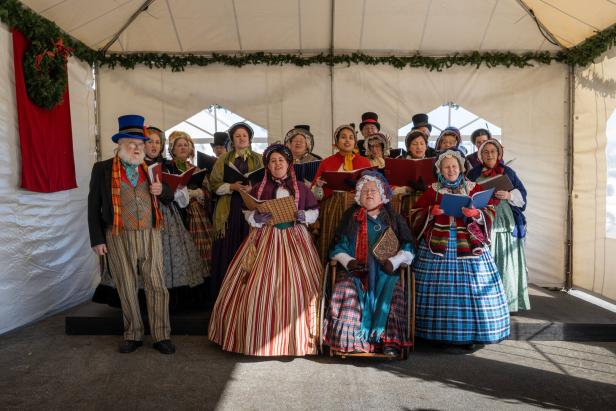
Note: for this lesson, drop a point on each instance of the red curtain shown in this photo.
(47, 162)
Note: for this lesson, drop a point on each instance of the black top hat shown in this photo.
(303, 127)
(370, 118)
(221, 138)
(421, 120)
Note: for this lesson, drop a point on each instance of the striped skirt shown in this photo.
(459, 300)
(271, 309)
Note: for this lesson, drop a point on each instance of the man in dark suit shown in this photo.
(219, 146)
(124, 223)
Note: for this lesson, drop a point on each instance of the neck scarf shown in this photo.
(348, 161)
(116, 203)
(361, 244)
(450, 184)
(498, 169)
(182, 165)
(132, 172)
(244, 153)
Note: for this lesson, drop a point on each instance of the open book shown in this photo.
(343, 180)
(498, 183)
(452, 203)
(306, 171)
(283, 210)
(175, 181)
(233, 175)
(155, 172)
(402, 171)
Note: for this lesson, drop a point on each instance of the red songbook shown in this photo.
(402, 171)
(343, 180)
(155, 173)
(175, 181)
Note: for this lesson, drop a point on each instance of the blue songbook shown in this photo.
(452, 203)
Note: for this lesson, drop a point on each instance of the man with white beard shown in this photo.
(124, 222)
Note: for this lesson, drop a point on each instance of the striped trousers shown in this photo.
(131, 253)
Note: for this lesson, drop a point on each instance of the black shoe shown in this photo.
(391, 351)
(128, 346)
(164, 346)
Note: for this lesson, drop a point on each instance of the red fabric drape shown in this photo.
(45, 136)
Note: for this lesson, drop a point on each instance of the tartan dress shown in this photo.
(342, 322)
(459, 295)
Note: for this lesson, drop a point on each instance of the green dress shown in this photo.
(510, 257)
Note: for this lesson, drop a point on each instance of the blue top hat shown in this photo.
(130, 126)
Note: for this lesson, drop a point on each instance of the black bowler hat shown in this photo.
(421, 120)
(221, 138)
(370, 118)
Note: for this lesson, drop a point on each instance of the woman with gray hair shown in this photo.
(367, 310)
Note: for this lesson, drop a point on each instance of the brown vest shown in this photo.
(136, 206)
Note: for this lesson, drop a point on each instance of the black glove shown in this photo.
(355, 265)
(418, 185)
(388, 267)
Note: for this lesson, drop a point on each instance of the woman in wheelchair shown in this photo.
(460, 299)
(267, 305)
(367, 311)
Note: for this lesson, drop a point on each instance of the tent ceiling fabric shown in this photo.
(371, 26)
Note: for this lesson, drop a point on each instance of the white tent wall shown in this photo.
(47, 264)
(594, 255)
(528, 104)
(275, 98)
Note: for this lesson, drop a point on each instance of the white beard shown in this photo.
(130, 158)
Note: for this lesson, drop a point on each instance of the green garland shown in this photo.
(41, 32)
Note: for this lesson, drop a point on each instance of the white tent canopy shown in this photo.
(530, 105)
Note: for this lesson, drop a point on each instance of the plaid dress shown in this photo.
(459, 300)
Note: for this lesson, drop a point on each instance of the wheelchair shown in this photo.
(328, 281)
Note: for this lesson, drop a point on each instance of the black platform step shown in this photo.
(99, 319)
(555, 316)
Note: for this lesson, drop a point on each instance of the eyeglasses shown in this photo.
(136, 146)
(369, 191)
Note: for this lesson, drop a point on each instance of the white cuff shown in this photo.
(403, 257)
(318, 192)
(181, 197)
(343, 258)
(250, 218)
(311, 216)
(479, 220)
(516, 198)
(225, 188)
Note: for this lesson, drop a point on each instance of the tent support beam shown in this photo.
(331, 66)
(132, 18)
(97, 114)
(570, 159)
(545, 32)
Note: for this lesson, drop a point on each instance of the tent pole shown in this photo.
(97, 114)
(570, 159)
(331, 69)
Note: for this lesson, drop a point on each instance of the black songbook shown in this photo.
(196, 180)
(498, 183)
(306, 171)
(401, 172)
(233, 175)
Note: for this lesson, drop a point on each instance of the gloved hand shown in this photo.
(262, 218)
(436, 210)
(388, 267)
(300, 216)
(418, 185)
(355, 265)
(470, 212)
